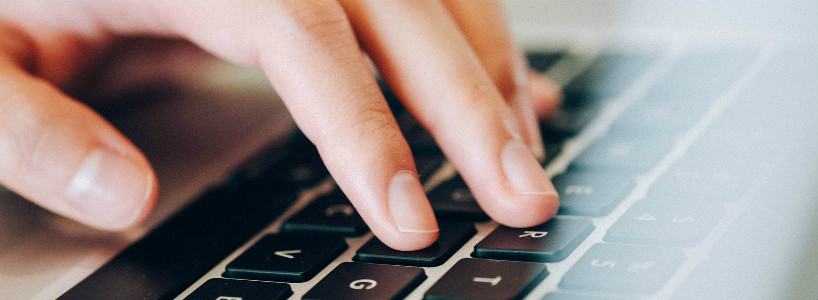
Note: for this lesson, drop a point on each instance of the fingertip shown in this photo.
(111, 191)
(412, 225)
(526, 197)
(522, 211)
(409, 241)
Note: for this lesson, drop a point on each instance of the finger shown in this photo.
(545, 94)
(352, 126)
(310, 54)
(423, 56)
(61, 155)
(484, 26)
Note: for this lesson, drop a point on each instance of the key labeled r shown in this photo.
(534, 234)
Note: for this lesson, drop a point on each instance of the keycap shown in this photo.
(361, 281)
(473, 278)
(609, 75)
(178, 252)
(542, 61)
(701, 180)
(452, 236)
(670, 221)
(567, 121)
(303, 167)
(331, 213)
(453, 199)
(550, 242)
(740, 152)
(286, 257)
(586, 193)
(624, 152)
(612, 73)
(229, 289)
(625, 270)
(582, 99)
(671, 116)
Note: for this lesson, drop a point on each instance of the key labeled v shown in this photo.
(287, 253)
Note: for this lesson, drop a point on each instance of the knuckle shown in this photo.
(23, 137)
(325, 20)
(480, 93)
(375, 119)
(34, 135)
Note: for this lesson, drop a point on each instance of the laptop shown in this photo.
(685, 154)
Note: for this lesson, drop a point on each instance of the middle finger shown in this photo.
(431, 67)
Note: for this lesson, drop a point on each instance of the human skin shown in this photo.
(452, 63)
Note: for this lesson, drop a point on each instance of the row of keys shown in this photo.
(333, 213)
(611, 269)
(297, 257)
(468, 279)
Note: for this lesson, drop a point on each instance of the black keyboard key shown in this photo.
(174, 255)
(331, 213)
(582, 99)
(584, 193)
(286, 257)
(701, 76)
(301, 165)
(229, 289)
(566, 122)
(628, 270)
(360, 281)
(550, 242)
(472, 278)
(452, 236)
(624, 152)
(453, 199)
(670, 221)
(542, 61)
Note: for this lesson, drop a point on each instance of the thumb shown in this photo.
(60, 154)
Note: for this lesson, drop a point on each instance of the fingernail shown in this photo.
(524, 173)
(110, 188)
(409, 206)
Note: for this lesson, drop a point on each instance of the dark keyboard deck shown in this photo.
(627, 244)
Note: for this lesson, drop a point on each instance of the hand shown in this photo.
(452, 63)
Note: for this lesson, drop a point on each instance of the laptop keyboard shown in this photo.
(644, 167)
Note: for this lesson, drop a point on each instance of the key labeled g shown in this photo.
(363, 284)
